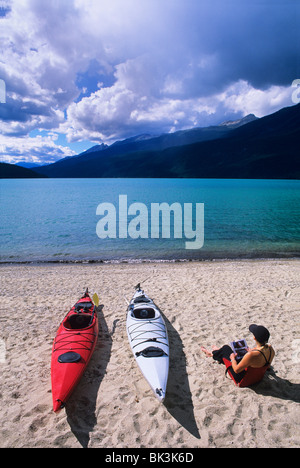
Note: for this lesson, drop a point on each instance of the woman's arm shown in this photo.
(243, 364)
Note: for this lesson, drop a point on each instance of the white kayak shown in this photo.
(149, 342)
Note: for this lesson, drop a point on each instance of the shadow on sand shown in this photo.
(179, 402)
(81, 407)
(275, 386)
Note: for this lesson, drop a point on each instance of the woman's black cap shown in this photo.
(260, 333)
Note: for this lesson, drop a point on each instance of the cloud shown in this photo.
(40, 84)
(134, 105)
(242, 97)
(32, 149)
(102, 71)
(207, 62)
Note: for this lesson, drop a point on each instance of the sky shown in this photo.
(84, 72)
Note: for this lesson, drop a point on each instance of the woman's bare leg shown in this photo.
(209, 353)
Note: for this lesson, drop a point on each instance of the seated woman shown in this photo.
(255, 362)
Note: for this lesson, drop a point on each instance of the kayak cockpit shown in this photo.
(144, 313)
(78, 321)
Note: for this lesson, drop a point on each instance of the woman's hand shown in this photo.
(232, 356)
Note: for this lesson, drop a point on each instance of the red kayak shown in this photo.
(73, 347)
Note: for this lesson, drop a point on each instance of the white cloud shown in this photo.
(242, 97)
(32, 149)
(110, 113)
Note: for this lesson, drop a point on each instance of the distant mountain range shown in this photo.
(12, 171)
(268, 147)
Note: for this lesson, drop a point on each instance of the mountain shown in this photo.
(145, 142)
(12, 171)
(95, 148)
(262, 148)
(238, 123)
(28, 165)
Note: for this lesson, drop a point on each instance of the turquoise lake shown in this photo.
(55, 219)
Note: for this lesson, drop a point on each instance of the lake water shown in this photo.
(56, 220)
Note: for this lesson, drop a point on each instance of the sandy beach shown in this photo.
(204, 303)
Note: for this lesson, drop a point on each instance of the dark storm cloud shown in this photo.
(101, 71)
(223, 42)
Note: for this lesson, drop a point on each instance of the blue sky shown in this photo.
(83, 72)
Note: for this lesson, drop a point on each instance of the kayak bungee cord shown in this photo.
(62, 341)
(138, 328)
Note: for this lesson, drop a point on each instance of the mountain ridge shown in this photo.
(263, 148)
(144, 142)
(251, 147)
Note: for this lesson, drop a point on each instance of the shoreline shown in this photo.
(204, 303)
(138, 261)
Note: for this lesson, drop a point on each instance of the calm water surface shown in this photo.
(55, 219)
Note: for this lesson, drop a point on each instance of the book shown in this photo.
(240, 348)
